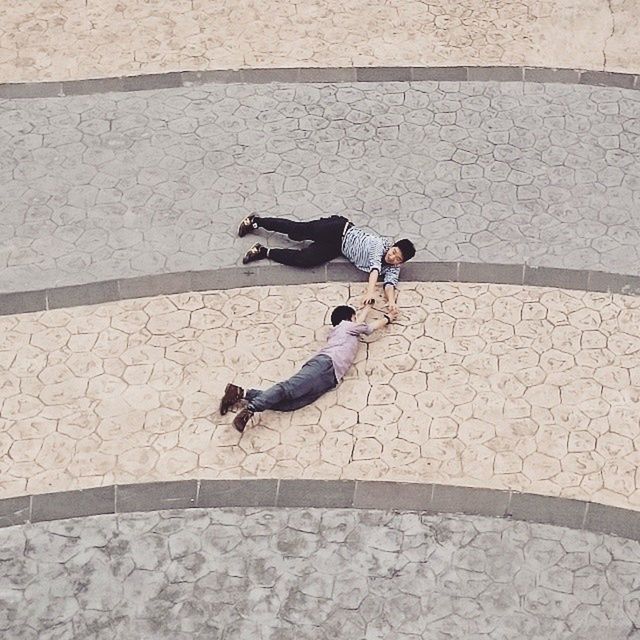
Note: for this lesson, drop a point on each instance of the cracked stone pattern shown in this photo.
(314, 574)
(529, 389)
(113, 38)
(120, 185)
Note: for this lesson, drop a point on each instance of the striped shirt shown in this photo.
(366, 250)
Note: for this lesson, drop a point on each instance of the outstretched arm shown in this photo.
(369, 295)
(361, 314)
(388, 318)
(390, 294)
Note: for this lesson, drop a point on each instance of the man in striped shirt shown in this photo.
(332, 237)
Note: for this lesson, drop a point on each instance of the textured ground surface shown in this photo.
(314, 574)
(118, 185)
(493, 386)
(487, 385)
(111, 38)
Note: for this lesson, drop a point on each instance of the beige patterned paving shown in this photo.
(485, 385)
(71, 39)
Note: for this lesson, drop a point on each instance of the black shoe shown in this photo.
(240, 421)
(257, 252)
(247, 226)
(232, 395)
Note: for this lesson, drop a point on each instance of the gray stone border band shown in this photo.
(348, 494)
(338, 271)
(176, 79)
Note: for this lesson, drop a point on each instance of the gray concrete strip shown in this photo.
(438, 74)
(15, 511)
(470, 500)
(154, 496)
(554, 277)
(31, 90)
(559, 511)
(564, 76)
(176, 79)
(73, 504)
(494, 273)
(339, 271)
(96, 293)
(393, 495)
(614, 283)
(155, 285)
(24, 302)
(496, 74)
(238, 493)
(612, 520)
(327, 74)
(322, 493)
(608, 79)
(264, 76)
(383, 74)
(302, 493)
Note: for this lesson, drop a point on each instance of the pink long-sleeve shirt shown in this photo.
(342, 345)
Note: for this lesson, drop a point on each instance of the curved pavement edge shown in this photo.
(341, 271)
(175, 79)
(357, 494)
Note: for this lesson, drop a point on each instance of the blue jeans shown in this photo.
(316, 377)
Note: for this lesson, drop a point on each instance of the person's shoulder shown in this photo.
(355, 328)
(345, 326)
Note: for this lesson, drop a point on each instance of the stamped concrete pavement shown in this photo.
(293, 574)
(119, 185)
(53, 40)
(496, 386)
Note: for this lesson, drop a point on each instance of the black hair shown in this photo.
(406, 248)
(343, 312)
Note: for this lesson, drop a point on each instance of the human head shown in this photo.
(343, 312)
(400, 252)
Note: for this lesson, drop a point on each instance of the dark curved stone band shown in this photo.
(338, 271)
(347, 494)
(176, 79)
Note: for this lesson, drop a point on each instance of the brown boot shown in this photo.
(232, 395)
(240, 421)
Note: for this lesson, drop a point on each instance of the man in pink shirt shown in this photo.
(317, 376)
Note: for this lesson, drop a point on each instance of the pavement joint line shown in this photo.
(178, 79)
(309, 494)
(570, 279)
(585, 515)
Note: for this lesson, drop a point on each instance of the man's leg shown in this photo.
(323, 230)
(315, 254)
(314, 379)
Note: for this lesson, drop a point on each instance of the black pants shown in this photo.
(326, 234)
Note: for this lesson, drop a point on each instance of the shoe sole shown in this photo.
(226, 404)
(244, 230)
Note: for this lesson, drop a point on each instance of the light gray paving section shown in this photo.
(314, 574)
(110, 186)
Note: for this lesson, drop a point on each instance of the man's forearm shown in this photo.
(371, 285)
(390, 293)
(362, 314)
(379, 324)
